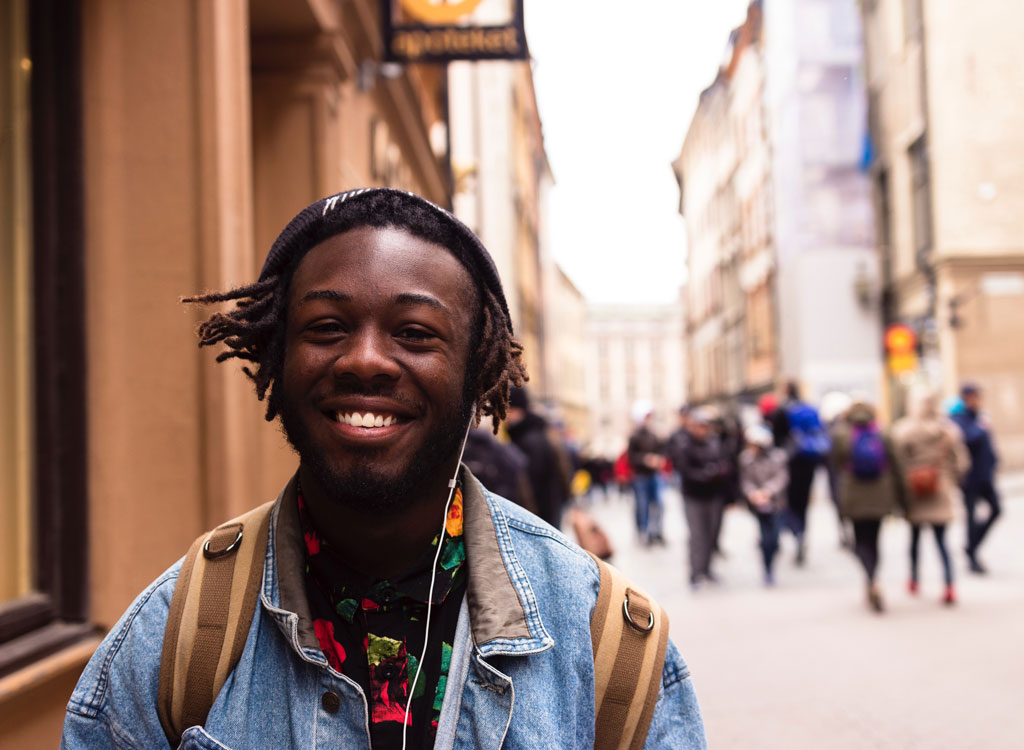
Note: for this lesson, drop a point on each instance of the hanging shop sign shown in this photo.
(435, 31)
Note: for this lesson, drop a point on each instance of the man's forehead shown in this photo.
(387, 255)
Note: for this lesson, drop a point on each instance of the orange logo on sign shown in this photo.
(432, 12)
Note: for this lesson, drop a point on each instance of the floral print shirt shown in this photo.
(372, 630)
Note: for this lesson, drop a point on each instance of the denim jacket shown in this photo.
(521, 674)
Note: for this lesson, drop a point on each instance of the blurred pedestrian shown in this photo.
(546, 467)
(808, 445)
(703, 469)
(500, 467)
(646, 458)
(869, 486)
(774, 416)
(834, 406)
(763, 479)
(730, 435)
(623, 474)
(601, 475)
(979, 484)
(932, 457)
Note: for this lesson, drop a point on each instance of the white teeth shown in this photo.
(368, 419)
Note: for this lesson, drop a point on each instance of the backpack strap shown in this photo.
(208, 622)
(629, 632)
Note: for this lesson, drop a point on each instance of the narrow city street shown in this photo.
(806, 665)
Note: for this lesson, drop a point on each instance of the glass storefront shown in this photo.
(16, 375)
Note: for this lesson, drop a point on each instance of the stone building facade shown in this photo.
(945, 86)
(634, 353)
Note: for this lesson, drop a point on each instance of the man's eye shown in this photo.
(416, 334)
(325, 327)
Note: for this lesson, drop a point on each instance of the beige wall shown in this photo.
(975, 75)
(200, 142)
(32, 718)
(167, 204)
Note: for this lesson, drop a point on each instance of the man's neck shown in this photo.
(378, 545)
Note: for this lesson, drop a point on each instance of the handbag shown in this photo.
(589, 535)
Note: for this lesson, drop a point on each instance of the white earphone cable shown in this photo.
(433, 578)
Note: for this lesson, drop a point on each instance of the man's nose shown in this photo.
(368, 356)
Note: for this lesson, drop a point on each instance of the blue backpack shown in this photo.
(808, 435)
(867, 455)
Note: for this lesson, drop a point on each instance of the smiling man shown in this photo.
(400, 604)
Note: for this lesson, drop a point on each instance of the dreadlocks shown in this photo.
(254, 330)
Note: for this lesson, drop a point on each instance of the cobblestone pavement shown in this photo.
(806, 665)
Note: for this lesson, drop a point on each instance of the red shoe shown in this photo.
(912, 587)
(950, 596)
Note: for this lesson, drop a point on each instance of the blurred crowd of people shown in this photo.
(919, 469)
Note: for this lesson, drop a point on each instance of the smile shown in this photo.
(369, 420)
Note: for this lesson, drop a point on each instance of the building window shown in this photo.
(921, 199)
(42, 341)
(15, 306)
(883, 217)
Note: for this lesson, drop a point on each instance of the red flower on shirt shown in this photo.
(312, 542)
(334, 651)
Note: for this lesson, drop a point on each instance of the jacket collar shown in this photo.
(503, 613)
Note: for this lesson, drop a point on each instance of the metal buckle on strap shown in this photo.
(213, 554)
(629, 619)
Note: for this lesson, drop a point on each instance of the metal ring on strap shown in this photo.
(214, 554)
(629, 619)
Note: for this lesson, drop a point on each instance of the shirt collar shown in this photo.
(503, 612)
(332, 571)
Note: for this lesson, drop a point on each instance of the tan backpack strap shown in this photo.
(209, 618)
(629, 632)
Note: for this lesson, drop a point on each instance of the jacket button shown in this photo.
(331, 702)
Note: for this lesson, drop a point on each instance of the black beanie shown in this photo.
(519, 398)
(330, 216)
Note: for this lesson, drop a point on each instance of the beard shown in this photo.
(374, 490)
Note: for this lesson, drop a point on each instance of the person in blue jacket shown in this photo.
(979, 483)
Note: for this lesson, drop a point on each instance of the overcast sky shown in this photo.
(617, 84)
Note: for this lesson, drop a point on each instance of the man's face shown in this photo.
(700, 430)
(374, 394)
(972, 400)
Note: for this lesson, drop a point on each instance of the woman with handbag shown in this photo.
(933, 457)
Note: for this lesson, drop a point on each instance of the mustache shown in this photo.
(371, 390)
